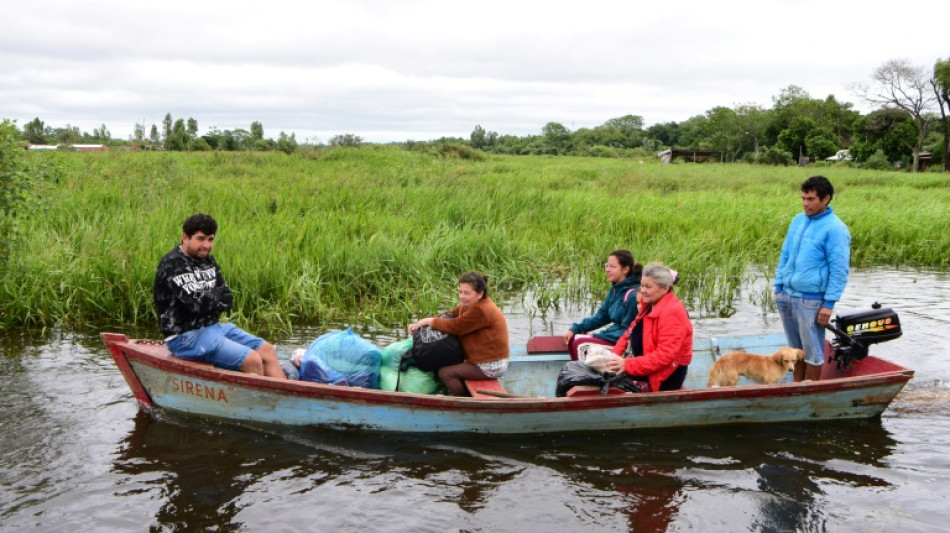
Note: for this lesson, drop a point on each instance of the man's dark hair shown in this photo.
(199, 222)
(820, 185)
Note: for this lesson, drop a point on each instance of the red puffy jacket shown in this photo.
(667, 341)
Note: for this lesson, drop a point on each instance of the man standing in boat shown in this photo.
(812, 273)
(190, 294)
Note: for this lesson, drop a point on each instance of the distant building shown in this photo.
(89, 147)
(693, 156)
(38, 147)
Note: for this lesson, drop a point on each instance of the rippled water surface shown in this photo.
(78, 456)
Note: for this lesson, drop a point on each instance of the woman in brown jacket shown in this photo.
(482, 331)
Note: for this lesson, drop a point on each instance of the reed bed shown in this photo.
(376, 236)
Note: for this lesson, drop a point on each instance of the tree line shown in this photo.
(175, 135)
(911, 119)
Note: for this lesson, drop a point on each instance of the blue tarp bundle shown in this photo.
(342, 358)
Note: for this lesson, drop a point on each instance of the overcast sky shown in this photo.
(419, 70)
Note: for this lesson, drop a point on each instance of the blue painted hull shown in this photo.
(159, 380)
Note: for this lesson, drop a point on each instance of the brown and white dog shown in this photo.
(726, 370)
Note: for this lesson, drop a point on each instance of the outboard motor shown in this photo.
(854, 332)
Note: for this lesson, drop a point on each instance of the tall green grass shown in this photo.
(378, 235)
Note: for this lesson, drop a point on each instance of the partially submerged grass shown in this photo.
(377, 236)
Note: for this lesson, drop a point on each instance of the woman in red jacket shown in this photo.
(658, 345)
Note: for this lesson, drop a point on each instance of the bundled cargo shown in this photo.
(342, 358)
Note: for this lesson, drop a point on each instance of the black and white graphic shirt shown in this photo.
(189, 292)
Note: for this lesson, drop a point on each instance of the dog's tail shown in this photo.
(715, 374)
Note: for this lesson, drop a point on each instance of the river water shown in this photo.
(77, 455)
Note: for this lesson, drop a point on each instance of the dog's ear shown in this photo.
(800, 354)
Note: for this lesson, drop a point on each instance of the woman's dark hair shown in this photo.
(478, 282)
(199, 222)
(625, 258)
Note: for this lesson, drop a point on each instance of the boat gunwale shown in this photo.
(127, 349)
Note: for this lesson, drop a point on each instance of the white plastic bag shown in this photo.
(595, 356)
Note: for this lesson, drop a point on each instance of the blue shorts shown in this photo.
(800, 320)
(223, 345)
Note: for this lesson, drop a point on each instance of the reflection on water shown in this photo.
(218, 476)
(79, 456)
(173, 461)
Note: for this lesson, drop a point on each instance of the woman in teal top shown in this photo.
(619, 308)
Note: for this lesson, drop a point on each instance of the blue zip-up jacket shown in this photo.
(614, 311)
(816, 258)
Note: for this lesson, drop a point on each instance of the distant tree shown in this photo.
(792, 138)
(627, 124)
(510, 144)
(723, 132)
(192, 129)
(690, 134)
(138, 133)
(629, 129)
(557, 138)
(101, 133)
(941, 87)
(257, 131)
(178, 138)
(167, 129)
(237, 139)
(479, 138)
(889, 130)
(153, 134)
(286, 144)
(753, 119)
(899, 84)
(792, 102)
(667, 133)
(68, 135)
(213, 138)
(837, 117)
(821, 143)
(34, 131)
(585, 139)
(347, 139)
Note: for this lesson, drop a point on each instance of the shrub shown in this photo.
(20, 179)
(878, 161)
(770, 156)
(460, 151)
(599, 151)
(287, 144)
(201, 145)
(12, 181)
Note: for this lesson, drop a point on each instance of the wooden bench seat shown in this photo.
(545, 344)
(493, 385)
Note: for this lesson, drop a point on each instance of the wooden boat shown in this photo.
(521, 402)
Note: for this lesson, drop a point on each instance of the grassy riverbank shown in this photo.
(378, 235)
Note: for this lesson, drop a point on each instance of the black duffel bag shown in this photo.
(432, 349)
(577, 373)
